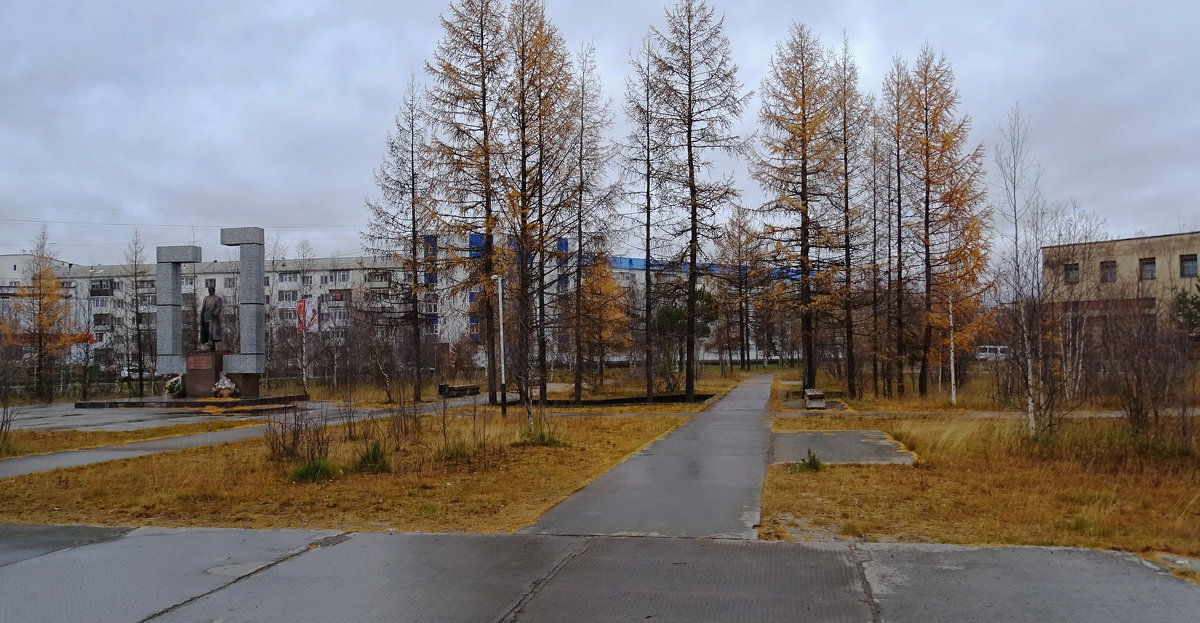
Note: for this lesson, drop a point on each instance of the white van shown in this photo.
(991, 353)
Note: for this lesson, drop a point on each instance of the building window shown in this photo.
(144, 284)
(288, 296)
(339, 295)
(430, 305)
(1187, 265)
(210, 283)
(189, 282)
(266, 281)
(1071, 272)
(287, 314)
(1108, 271)
(1146, 269)
(230, 282)
(306, 280)
(287, 277)
(102, 320)
(339, 276)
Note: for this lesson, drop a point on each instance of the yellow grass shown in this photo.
(983, 482)
(23, 441)
(236, 485)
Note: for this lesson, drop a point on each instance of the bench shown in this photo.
(814, 399)
(453, 391)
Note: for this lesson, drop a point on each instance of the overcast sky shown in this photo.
(184, 117)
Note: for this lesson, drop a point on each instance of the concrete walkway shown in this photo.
(65, 417)
(704, 479)
(80, 574)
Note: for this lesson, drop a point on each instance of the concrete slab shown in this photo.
(839, 446)
(704, 479)
(143, 573)
(695, 580)
(381, 577)
(935, 583)
(21, 542)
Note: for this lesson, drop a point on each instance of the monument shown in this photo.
(202, 368)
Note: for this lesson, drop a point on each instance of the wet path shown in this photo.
(704, 479)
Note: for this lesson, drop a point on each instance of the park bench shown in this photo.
(453, 391)
(814, 399)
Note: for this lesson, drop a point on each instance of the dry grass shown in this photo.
(983, 482)
(236, 485)
(23, 441)
(622, 385)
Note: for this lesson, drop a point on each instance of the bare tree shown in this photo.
(643, 151)
(138, 298)
(701, 99)
(399, 222)
(592, 195)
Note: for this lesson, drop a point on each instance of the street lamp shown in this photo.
(503, 382)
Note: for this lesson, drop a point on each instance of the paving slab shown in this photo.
(839, 446)
(390, 577)
(936, 583)
(704, 479)
(697, 580)
(140, 574)
(22, 542)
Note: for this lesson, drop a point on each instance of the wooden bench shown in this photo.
(814, 399)
(454, 391)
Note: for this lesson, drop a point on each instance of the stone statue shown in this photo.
(210, 321)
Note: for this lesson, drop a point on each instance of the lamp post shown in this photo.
(503, 382)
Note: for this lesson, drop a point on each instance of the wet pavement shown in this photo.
(21, 465)
(839, 446)
(64, 416)
(68, 574)
(704, 479)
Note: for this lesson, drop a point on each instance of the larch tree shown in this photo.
(400, 218)
(137, 298)
(895, 117)
(701, 98)
(41, 319)
(468, 72)
(742, 272)
(592, 196)
(851, 123)
(796, 123)
(948, 177)
(643, 149)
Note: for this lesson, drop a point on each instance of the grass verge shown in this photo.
(24, 441)
(237, 485)
(984, 482)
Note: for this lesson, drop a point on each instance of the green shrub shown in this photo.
(810, 464)
(372, 460)
(539, 435)
(314, 470)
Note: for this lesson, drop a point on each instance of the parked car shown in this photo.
(991, 353)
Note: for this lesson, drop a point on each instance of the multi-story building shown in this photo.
(1148, 270)
(114, 302)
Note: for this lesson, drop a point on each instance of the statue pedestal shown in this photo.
(247, 384)
(203, 370)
